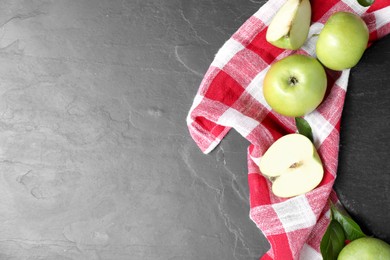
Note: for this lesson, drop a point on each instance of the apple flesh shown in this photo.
(293, 165)
(290, 25)
(366, 248)
(295, 85)
(342, 41)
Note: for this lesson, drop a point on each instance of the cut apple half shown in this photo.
(293, 165)
(290, 25)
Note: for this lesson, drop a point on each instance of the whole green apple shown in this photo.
(295, 85)
(366, 248)
(342, 41)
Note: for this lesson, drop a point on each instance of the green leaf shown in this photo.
(366, 3)
(351, 228)
(304, 128)
(333, 241)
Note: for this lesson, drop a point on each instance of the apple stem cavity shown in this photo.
(293, 81)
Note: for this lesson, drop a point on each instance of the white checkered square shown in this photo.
(197, 100)
(295, 214)
(226, 52)
(342, 81)
(309, 253)
(382, 17)
(321, 128)
(310, 44)
(269, 10)
(255, 88)
(243, 124)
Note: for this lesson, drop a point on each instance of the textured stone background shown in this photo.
(95, 157)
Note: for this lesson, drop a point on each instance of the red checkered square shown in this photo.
(225, 89)
(340, 6)
(208, 78)
(279, 243)
(206, 133)
(211, 127)
(378, 5)
(320, 8)
(264, 49)
(258, 185)
(275, 127)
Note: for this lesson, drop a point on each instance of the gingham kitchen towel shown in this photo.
(230, 96)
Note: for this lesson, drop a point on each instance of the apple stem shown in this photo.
(293, 81)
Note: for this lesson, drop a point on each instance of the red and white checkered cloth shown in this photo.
(230, 96)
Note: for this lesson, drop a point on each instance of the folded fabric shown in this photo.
(230, 96)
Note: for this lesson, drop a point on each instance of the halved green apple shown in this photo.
(290, 25)
(293, 165)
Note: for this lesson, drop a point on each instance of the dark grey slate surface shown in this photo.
(95, 157)
(363, 182)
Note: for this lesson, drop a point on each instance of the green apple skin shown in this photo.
(366, 248)
(342, 41)
(295, 85)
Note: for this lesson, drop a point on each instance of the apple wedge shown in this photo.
(290, 25)
(293, 165)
